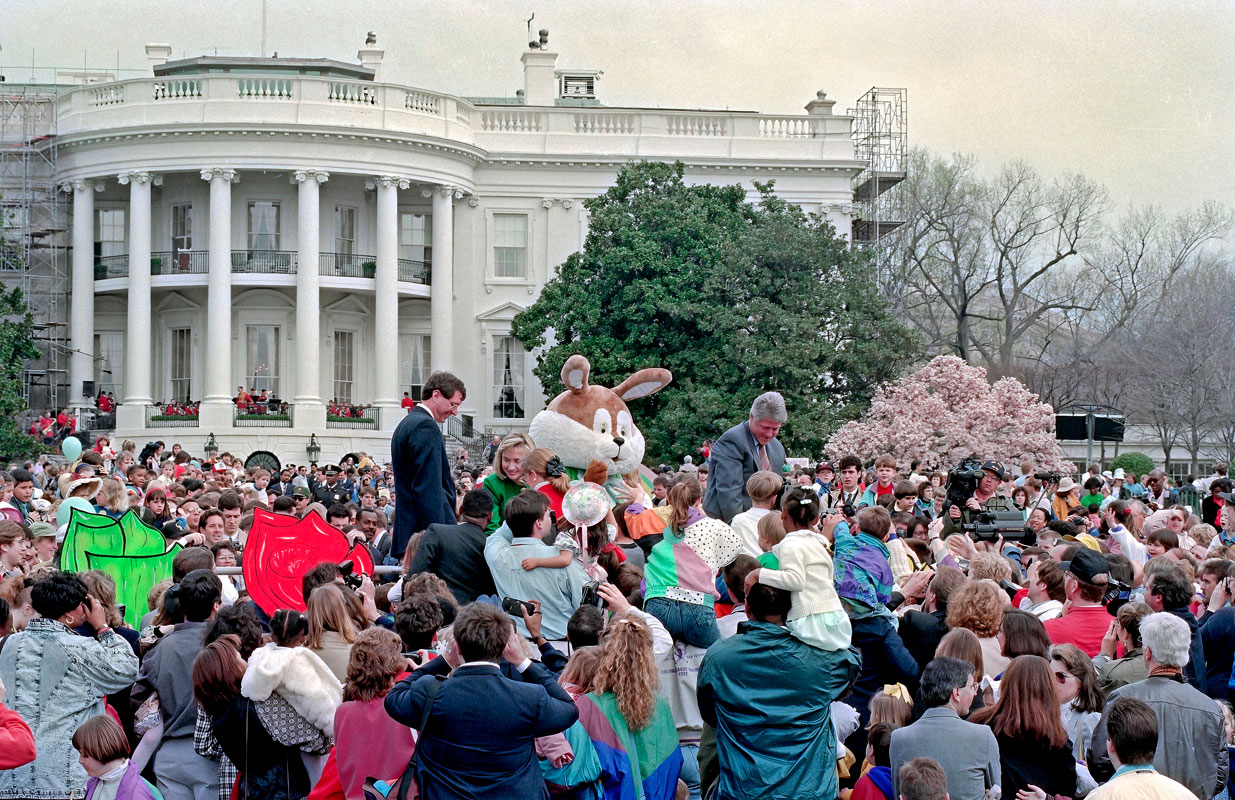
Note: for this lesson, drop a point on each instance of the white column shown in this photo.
(386, 297)
(81, 304)
(441, 293)
(137, 350)
(310, 410)
(218, 386)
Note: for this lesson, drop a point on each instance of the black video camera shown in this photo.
(348, 572)
(988, 526)
(962, 482)
(1049, 477)
(591, 595)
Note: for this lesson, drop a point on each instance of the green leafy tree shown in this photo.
(16, 348)
(733, 298)
(1132, 461)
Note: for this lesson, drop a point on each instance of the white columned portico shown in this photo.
(386, 300)
(216, 408)
(81, 304)
(441, 292)
(137, 350)
(310, 410)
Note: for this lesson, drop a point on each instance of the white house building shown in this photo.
(301, 227)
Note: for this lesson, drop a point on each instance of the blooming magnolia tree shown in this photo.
(946, 412)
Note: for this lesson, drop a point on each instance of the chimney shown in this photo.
(158, 55)
(539, 82)
(371, 58)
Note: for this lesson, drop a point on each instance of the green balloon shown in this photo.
(71, 447)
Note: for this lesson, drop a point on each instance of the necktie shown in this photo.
(764, 463)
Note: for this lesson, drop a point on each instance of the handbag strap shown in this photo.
(405, 782)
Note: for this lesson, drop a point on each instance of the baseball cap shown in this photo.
(301, 491)
(995, 467)
(1087, 566)
(822, 465)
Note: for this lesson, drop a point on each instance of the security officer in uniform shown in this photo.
(332, 491)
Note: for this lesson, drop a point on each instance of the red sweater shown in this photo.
(16, 740)
(1083, 626)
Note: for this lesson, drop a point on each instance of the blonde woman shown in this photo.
(506, 480)
(543, 472)
(333, 626)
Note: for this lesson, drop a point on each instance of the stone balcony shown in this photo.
(504, 133)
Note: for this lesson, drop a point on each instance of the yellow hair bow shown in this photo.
(898, 691)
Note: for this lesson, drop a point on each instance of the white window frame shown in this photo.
(497, 386)
(269, 382)
(344, 245)
(409, 248)
(411, 374)
(184, 241)
(491, 246)
(248, 226)
(343, 374)
(109, 362)
(121, 245)
(185, 334)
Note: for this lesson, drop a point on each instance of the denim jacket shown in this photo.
(56, 680)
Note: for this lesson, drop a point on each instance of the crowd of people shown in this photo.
(732, 629)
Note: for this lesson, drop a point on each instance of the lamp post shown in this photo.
(211, 448)
(313, 449)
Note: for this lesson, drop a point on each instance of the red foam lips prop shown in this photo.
(281, 549)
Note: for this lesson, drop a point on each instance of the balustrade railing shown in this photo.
(177, 88)
(264, 88)
(347, 265)
(158, 416)
(414, 271)
(180, 262)
(266, 262)
(111, 267)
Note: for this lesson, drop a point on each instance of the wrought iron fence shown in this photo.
(264, 262)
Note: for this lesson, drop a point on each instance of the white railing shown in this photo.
(604, 123)
(511, 121)
(348, 92)
(236, 101)
(173, 89)
(107, 95)
(423, 102)
(692, 125)
(264, 88)
(785, 127)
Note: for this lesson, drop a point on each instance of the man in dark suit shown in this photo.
(742, 451)
(423, 483)
(456, 553)
(921, 631)
(477, 738)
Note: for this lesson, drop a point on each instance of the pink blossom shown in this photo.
(948, 411)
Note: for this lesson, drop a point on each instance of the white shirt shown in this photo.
(728, 624)
(1047, 609)
(746, 526)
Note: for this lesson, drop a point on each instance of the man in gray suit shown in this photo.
(967, 752)
(742, 451)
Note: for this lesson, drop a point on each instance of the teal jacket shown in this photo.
(774, 738)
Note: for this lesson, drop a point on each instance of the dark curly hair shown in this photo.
(417, 620)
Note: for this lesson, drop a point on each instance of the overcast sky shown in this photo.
(1136, 95)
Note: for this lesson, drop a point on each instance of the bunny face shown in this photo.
(592, 423)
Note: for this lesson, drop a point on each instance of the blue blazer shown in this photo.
(733, 460)
(424, 487)
(478, 740)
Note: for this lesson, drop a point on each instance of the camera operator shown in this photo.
(983, 499)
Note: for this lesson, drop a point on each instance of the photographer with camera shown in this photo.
(971, 494)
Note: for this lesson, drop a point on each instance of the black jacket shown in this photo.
(1194, 672)
(456, 554)
(423, 483)
(921, 632)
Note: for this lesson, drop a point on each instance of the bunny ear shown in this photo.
(643, 383)
(575, 373)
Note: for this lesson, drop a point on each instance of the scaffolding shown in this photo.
(880, 127)
(33, 234)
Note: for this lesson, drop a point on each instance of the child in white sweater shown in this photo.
(816, 615)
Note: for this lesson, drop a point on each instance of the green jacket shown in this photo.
(502, 490)
(774, 737)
